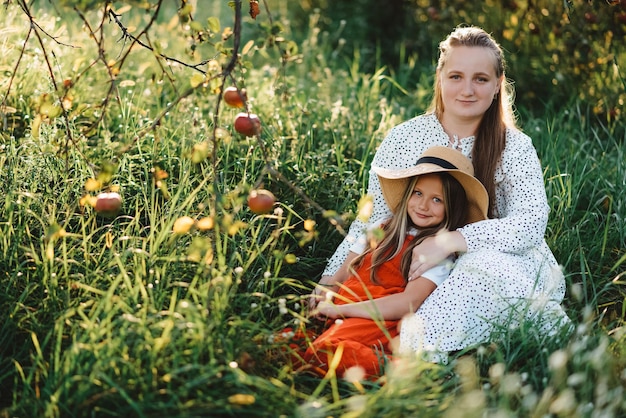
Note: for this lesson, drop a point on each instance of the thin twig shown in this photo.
(135, 39)
(66, 123)
(17, 65)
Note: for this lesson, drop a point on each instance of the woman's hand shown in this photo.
(434, 250)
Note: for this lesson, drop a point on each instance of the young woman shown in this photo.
(506, 273)
(438, 194)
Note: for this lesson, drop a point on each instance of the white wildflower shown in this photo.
(354, 374)
(557, 360)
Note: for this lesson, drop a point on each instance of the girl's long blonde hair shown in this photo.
(491, 134)
(396, 229)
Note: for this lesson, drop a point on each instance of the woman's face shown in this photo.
(426, 206)
(468, 82)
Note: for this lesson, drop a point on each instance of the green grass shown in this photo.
(123, 317)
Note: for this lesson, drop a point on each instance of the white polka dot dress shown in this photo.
(508, 272)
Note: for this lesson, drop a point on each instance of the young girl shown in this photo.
(371, 292)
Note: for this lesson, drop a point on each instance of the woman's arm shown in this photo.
(521, 203)
(388, 308)
(522, 212)
(433, 250)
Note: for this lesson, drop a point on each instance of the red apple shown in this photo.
(591, 17)
(433, 13)
(261, 201)
(247, 124)
(108, 204)
(234, 97)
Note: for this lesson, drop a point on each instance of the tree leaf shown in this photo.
(214, 24)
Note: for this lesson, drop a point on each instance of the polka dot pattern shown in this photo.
(508, 266)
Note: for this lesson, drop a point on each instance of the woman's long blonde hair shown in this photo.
(396, 229)
(490, 138)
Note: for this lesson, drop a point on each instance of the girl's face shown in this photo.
(468, 82)
(426, 207)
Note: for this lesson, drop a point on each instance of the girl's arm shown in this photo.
(331, 283)
(388, 308)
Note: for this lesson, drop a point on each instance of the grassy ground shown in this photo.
(122, 316)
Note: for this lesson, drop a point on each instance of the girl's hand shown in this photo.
(327, 309)
(434, 250)
(330, 283)
(320, 293)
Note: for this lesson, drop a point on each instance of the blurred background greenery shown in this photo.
(556, 50)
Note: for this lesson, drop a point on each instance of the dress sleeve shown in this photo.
(521, 203)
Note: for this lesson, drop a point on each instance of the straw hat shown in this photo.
(437, 159)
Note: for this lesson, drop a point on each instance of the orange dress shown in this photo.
(363, 342)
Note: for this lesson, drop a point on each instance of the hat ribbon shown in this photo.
(437, 161)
